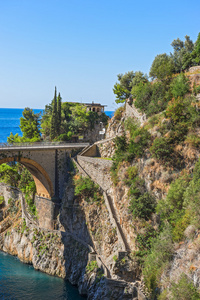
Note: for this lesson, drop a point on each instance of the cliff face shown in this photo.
(53, 252)
(44, 249)
(83, 228)
(159, 175)
(101, 245)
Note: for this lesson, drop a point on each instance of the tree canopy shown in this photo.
(30, 127)
(162, 67)
(124, 87)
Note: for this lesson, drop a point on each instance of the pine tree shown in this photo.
(59, 113)
(53, 131)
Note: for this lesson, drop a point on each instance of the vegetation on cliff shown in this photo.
(152, 98)
(170, 140)
(16, 175)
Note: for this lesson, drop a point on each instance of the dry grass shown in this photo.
(160, 186)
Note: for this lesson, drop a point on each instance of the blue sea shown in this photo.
(20, 281)
(10, 121)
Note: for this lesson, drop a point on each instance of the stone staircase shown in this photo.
(134, 291)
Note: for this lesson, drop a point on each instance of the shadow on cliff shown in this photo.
(76, 238)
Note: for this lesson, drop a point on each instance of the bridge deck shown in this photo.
(43, 146)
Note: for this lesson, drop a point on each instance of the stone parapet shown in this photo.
(98, 169)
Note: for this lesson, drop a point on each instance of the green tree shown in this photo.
(30, 124)
(142, 94)
(54, 118)
(158, 101)
(122, 88)
(180, 86)
(59, 104)
(162, 67)
(196, 52)
(181, 54)
(30, 127)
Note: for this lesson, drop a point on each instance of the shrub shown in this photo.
(172, 210)
(115, 258)
(31, 204)
(86, 188)
(154, 120)
(161, 149)
(142, 206)
(131, 125)
(131, 173)
(137, 187)
(180, 223)
(92, 265)
(180, 86)
(193, 140)
(192, 200)
(157, 260)
(198, 89)
(138, 143)
(179, 110)
(191, 196)
(184, 289)
(142, 94)
(158, 99)
(196, 172)
(118, 113)
(176, 192)
(1, 200)
(121, 146)
(144, 240)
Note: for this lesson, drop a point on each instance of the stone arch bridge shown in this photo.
(49, 164)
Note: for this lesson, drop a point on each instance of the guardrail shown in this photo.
(42, 145)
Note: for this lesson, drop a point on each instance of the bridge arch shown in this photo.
(44, 186)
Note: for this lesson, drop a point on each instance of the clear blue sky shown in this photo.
(80, 46)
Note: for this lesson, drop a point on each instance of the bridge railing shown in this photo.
(40, 144)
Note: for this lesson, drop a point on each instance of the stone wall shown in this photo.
(98, 169)
(92, 135)
(91, 151)
(132, 112)
(194, 69)
(106, 148)
(46, 210)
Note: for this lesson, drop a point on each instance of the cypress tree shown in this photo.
(53, 131)
(59, 113)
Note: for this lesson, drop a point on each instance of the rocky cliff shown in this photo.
(103, 241)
